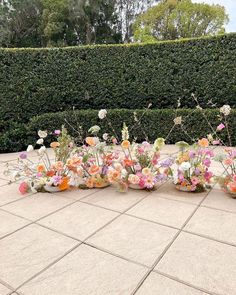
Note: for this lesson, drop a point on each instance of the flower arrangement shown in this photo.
(139, 165)
(228, 180)
(46, 174)
(95, 158)
(192, 172)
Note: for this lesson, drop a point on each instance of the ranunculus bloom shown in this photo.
(64, 185)
(54, 144)
(94, 169)
(220, 127)
(203, 142)
(23, 188)
(125, 144)
(102, 114)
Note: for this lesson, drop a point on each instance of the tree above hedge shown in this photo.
(174, 19)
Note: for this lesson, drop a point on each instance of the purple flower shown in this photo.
(167, 162)
(57, 132)
(104, 170)
(192, 154)
(23, 155)
(197, 171)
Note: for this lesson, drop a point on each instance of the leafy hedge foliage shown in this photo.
(36, 81)
(155, 123)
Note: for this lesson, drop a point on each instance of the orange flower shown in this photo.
(94, 169)
(64, 184)
(90, 141)
(128, 162)
(41, 168)
(113, 175)
(54, 144)
(232, 187)
(58, 166)
(125, 144)
(203, 142)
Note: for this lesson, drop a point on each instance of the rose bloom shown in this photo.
(94, 169)
(58, 166)
(125, 144)
(203, 142)
(133, 179)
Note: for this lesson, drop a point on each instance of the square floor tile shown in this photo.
(76, 194)
(201, 262)
(37, 205)
(3, 182)
(28, 251)
(87, 271)
(9, 223)
(139, 240)
(10, 193)
(158, 284)
(213, 223)
(79, 220)
(163, 211)
(169, 191)
(220, 200)
(4, 290)
(111, 199)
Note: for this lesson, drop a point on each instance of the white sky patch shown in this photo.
(230, 6)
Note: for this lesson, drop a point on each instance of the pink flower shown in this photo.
(220, 127)
(140, 150)
(208, 175)
(57, 132)
(23, 188)
(207, 162)
(142, 182)
(194, 180)
(23, 155)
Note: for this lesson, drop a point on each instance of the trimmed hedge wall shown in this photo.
(156, 123)
(36, 81)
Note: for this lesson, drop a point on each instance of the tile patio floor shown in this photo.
(104, 242)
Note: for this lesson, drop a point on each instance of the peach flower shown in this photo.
(125, 144)
(94, 169)
(54, 144)
(203, 142)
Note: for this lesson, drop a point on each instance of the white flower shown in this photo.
(175, 177)
(94, 129)
(15, 174)
(225, 110)
(30, 148)
(124, 173)
(102, 114)
(42, 150)
(105, 136)
(125, 132)
(42, 134)
(185, 166)
(178, 120)
(39, 141)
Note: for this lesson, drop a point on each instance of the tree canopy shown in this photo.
(174, 19)
(43, 23)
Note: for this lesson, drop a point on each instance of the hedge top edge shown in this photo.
(158, 43)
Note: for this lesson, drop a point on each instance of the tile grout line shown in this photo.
(167, 247)
(83, 243)
(184, 283)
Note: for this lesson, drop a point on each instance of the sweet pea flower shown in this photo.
(220, 127)
(39, 141)
(57, 132)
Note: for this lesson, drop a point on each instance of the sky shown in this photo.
(230, 6)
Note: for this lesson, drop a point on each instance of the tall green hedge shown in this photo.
(155, 123)
(36, 81)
